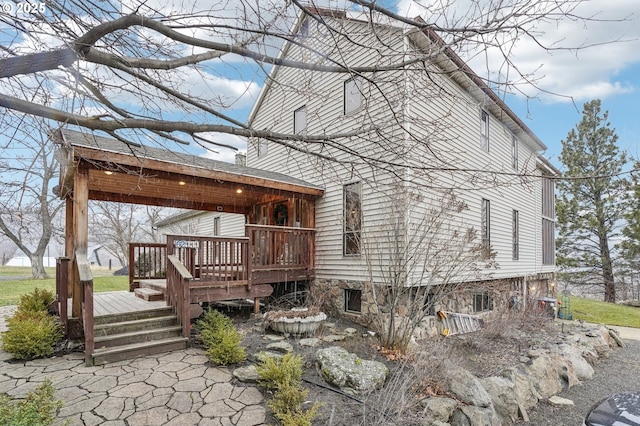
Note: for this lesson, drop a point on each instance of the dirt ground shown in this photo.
(485, 353)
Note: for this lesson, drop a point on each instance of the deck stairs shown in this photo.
(120, 337)
(151, 290)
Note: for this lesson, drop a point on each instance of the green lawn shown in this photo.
(604, 313)
(11, 290)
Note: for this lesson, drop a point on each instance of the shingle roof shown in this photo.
(90, 140)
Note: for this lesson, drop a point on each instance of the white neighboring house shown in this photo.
(467, 127)
(193, 222)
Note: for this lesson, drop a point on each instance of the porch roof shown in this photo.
(140, 174)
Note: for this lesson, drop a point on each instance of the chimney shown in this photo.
(241, 159)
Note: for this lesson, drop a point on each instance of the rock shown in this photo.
(583, 370)
(311, 341)
(280, 347)
(503, 397)
(351, 374)
(556, 401)
(523, 386)
(466, 387)
(248, 374)
(616, 338)
(437, 409)
(545, 375)
(350, 331)
(333, 338)
(470, 415)
(262, 355)
(566, 371)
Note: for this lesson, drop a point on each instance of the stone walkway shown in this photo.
(178, 388)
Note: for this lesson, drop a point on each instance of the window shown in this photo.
(548, 222)
(430, 304)
(485, 225)
(352, 95)
(484, 130)
(514, 152)
(548, 242)
(515, 230)
(482, 301)
(352, 300)
(352, 219)
(216, 226)
(300, 121)
(262, 147)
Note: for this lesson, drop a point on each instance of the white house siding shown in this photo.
(322, 93)
(202, 223)
(447, 116)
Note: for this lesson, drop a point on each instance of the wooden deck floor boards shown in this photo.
(118, 302)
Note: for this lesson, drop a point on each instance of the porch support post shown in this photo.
(68, 243)
(80, 232)
(256, 305)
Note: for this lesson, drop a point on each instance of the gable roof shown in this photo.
(449, 61)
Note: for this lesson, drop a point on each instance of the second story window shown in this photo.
(352, 95)
(300, 121)
(352, 219)
(514, 152)
(484, 130)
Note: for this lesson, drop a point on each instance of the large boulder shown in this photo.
(503, 397)
(523, 386)
(353, 375)
(466, 387)
(582, 369)
(437, 409)
(545, 375)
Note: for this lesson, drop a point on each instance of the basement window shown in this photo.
(482, 301)
(352, 300)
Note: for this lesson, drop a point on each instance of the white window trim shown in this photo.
(484, 130)
(300, 128)
(352, 93)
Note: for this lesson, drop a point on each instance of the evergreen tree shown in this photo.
(590, 205)
(630, 245)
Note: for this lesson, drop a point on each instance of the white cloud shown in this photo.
(224, 154)
(585, 57)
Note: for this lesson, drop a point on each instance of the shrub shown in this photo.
(277, 372)
(221, 338)
(31, 334)
(37, 300)
(283, 375)
(39, 408)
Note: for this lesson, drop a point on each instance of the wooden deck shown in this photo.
(120, 302)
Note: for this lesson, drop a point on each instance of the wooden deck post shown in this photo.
(80, 232)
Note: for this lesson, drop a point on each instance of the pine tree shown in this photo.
(630, 245)
(590, 204)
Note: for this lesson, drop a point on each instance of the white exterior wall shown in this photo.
(449, 119)
(202, 223)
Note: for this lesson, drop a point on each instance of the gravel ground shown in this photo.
(618, 373)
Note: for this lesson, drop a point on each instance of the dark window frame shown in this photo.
(515, 229)
(352, 219)
(353, 300)
(482, 301)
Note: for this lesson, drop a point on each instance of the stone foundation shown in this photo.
(329, 295)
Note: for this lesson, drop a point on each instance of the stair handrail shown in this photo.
(178, 292)
(85, 278)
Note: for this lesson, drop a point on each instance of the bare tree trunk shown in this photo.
(37, 266)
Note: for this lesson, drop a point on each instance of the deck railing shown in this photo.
(146, 261)
(280, 247)
(178, 292)
(212, 258)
